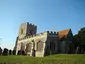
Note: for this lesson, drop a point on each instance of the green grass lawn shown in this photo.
(52, 59)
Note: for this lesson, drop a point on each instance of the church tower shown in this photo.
(27, 29)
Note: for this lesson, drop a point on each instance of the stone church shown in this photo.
(42, 44)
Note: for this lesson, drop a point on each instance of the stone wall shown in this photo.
(34, 40)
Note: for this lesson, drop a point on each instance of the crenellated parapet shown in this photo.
(32, 25)
(51, 33)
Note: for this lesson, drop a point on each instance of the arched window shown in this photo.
(39, 46)
(28, 47)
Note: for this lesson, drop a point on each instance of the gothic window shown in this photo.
(39, 46)
(28, 47)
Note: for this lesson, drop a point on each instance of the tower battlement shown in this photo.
(32, 25)
(51, 33)
(27, 29)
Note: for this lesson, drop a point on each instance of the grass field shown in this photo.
(52, 59)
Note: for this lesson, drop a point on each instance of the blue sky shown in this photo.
(52, 15)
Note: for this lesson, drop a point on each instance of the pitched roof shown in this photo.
(63, 33)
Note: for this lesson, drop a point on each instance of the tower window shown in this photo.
(21, 31)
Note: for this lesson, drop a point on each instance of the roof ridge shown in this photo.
(64, 30)
(63, 33)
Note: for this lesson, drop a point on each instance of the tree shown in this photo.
(79, 41)
(81, 34)
(76, 42)
(82, 39)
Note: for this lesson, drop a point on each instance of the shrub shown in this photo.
(0, 51)
(5, 52)
(10, 52)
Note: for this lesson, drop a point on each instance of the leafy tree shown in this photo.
(79, 41)
(76, 40)
(82, 36)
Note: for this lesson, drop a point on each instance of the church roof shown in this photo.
(63, 33)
